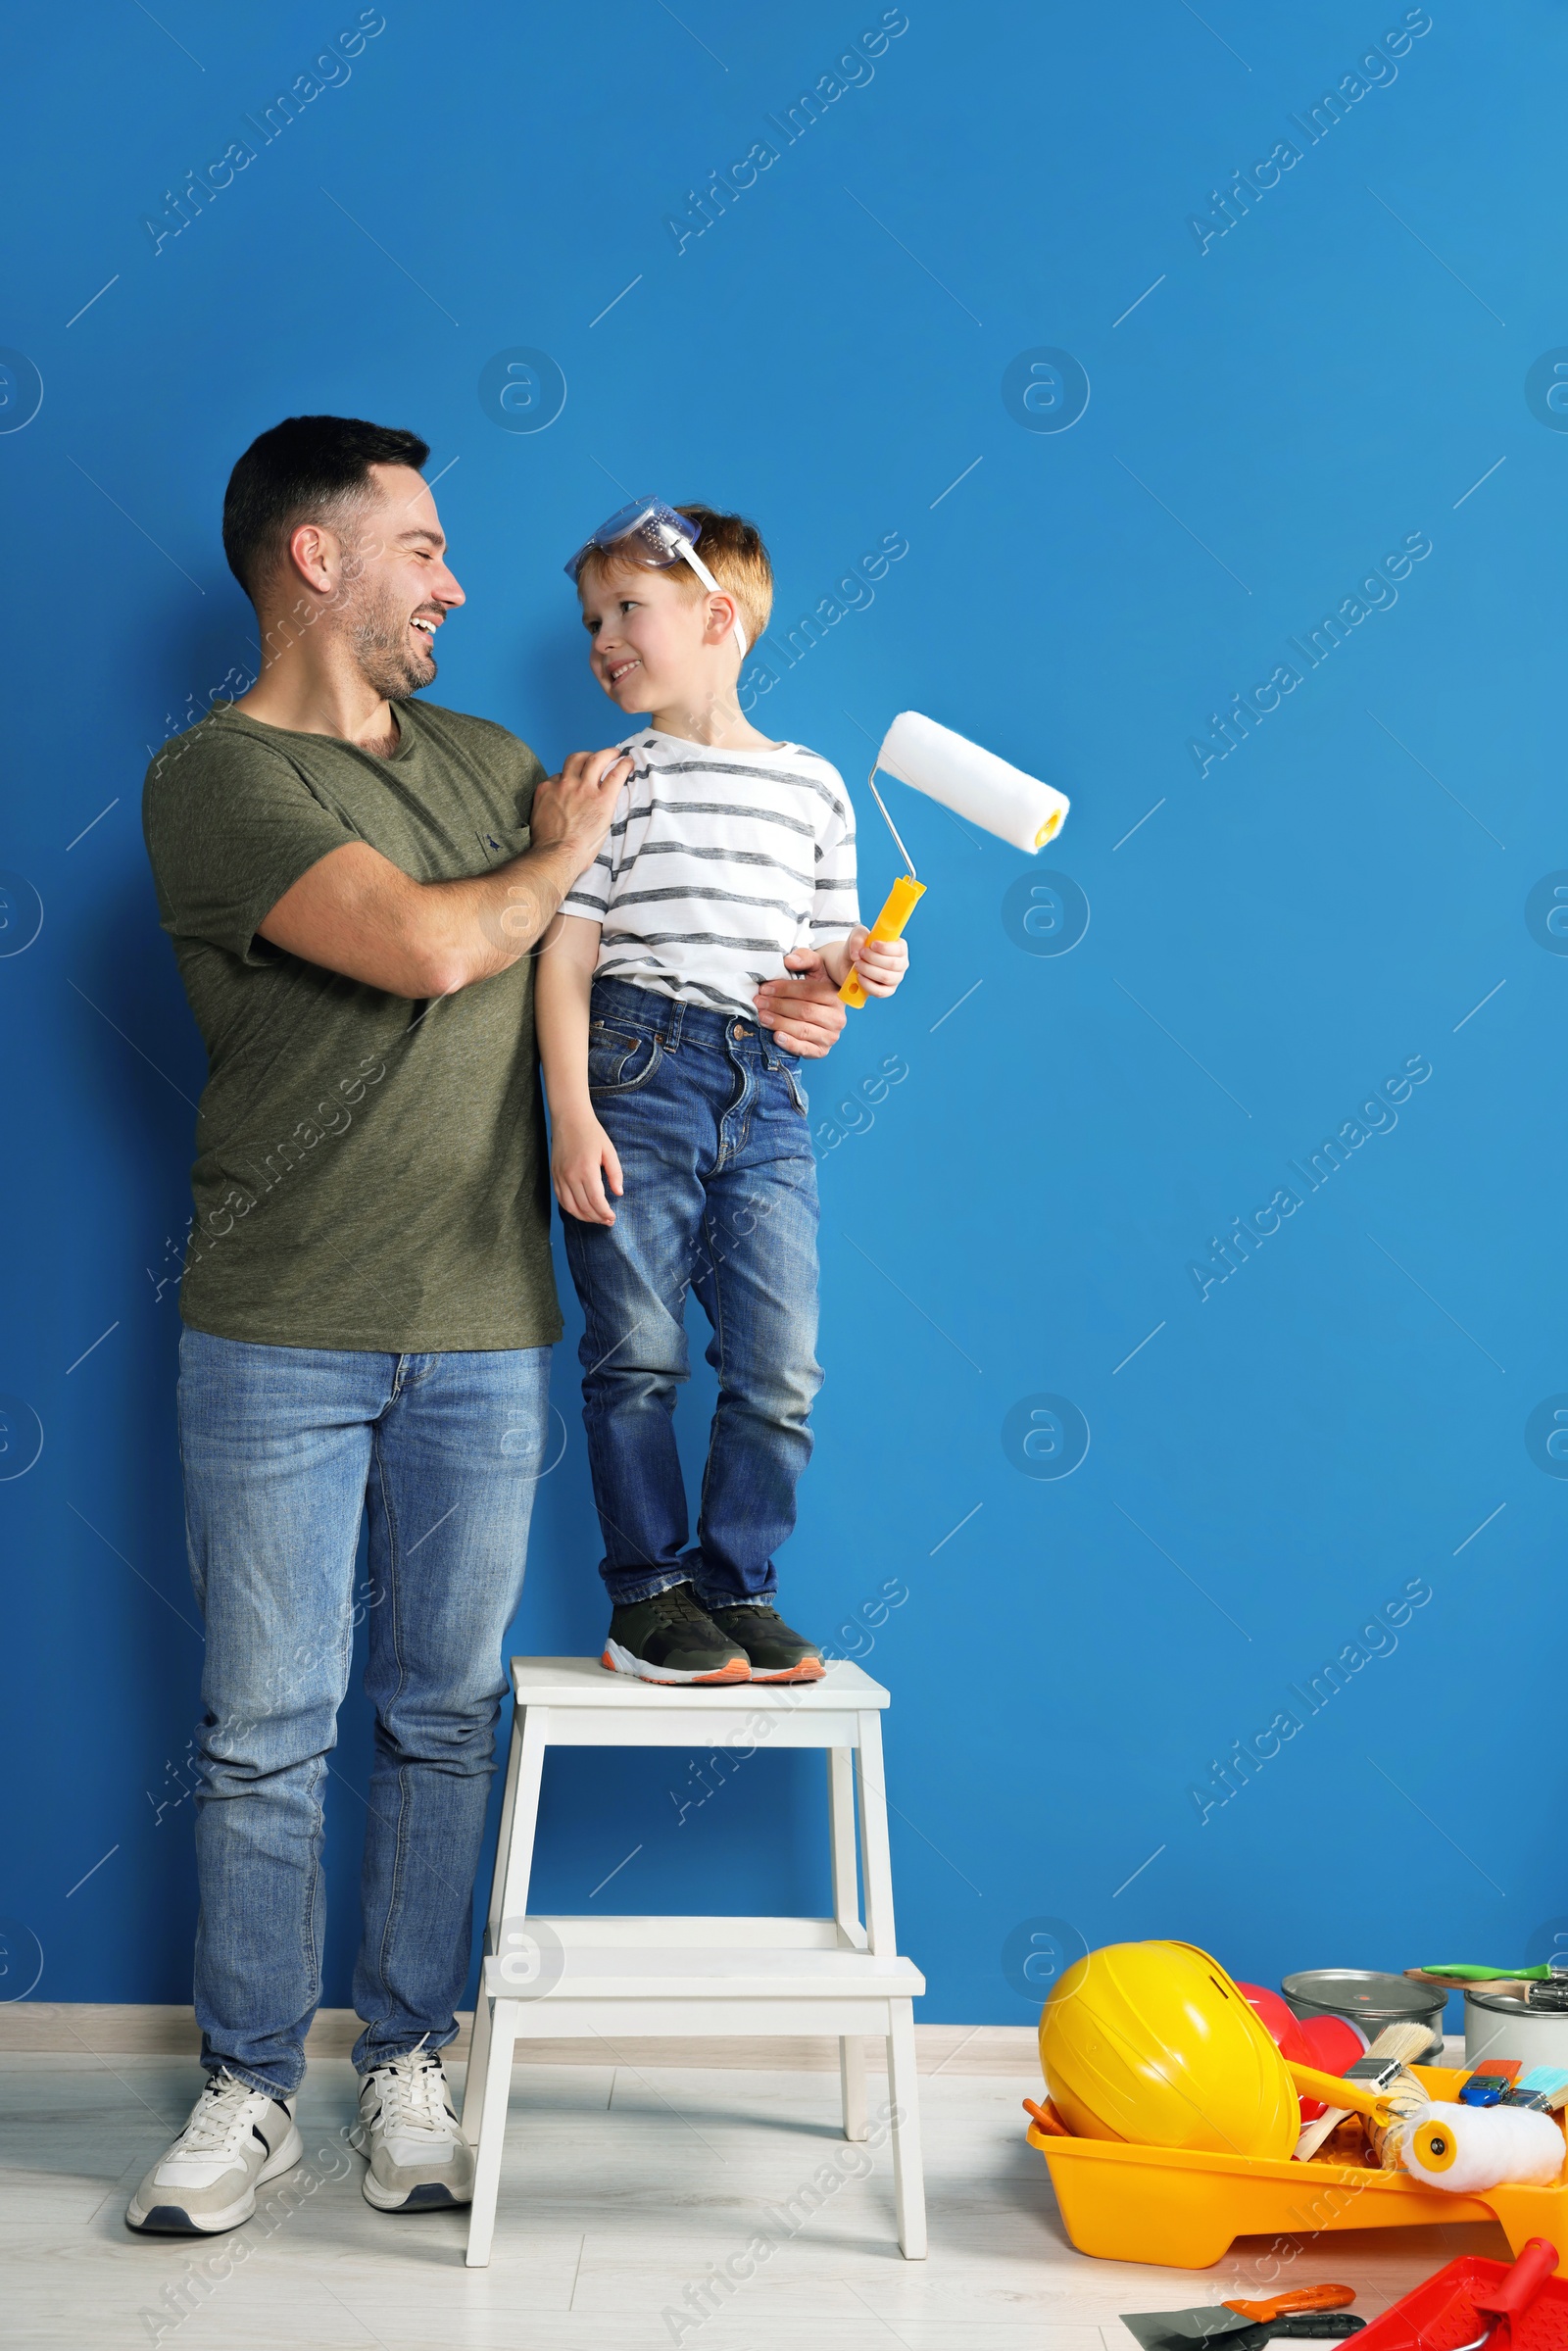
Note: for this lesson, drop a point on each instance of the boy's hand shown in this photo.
(880, 962)
(582, 1159)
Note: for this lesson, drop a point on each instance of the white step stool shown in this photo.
(573, 1977)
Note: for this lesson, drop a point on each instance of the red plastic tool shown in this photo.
(1473, 2302)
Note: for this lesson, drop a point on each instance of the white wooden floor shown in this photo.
(623, 2186)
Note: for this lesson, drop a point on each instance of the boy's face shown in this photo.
(653, 643)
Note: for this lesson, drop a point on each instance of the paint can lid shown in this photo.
(1365, 1994)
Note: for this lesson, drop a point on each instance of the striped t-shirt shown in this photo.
(716, 865)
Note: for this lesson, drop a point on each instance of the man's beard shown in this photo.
(379, 634)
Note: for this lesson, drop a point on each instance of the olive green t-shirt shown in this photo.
(370, 1172)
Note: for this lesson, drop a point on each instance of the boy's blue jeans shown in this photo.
(283, 1450)
(709, 1119)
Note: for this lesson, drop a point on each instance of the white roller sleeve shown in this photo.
(973, 782)
(1493, 2146)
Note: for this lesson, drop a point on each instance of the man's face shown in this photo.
(399, 589)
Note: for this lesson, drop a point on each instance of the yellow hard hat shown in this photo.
(1153, 2042)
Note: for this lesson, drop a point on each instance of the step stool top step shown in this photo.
(584, 1682)
(655, 1972)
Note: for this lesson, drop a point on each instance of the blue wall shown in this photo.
(1278, 401)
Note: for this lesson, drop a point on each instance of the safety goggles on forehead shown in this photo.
(652, 533)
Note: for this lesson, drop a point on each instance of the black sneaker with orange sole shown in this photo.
(668, 1638)
(775, 1652)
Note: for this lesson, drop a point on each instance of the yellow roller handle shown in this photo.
(900, 903)
(1333, 2091)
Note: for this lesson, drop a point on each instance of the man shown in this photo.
(352, 881)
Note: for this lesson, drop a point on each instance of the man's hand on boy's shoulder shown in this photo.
(573, 812)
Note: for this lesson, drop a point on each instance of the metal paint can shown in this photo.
(1369, 1999)
(1502, 2024)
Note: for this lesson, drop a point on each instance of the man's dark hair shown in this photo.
(306, 470)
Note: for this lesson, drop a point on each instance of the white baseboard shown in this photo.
(134, 2029)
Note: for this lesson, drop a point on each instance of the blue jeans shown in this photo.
(283, 1450)
(709, 1120)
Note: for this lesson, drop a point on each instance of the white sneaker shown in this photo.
(237, 2138)
(419, 2155)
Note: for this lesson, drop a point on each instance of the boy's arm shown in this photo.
(880, 962)
(581, 1154)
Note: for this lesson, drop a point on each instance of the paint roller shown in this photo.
(1466, 2150)
(1471, 2149)
(973, 783)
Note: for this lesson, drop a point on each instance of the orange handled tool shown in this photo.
(1305, 2297)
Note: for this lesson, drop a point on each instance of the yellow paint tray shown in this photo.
(1184, 2207)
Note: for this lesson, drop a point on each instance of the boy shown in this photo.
(728, 855)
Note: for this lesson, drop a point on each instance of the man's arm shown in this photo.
(356, 912)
